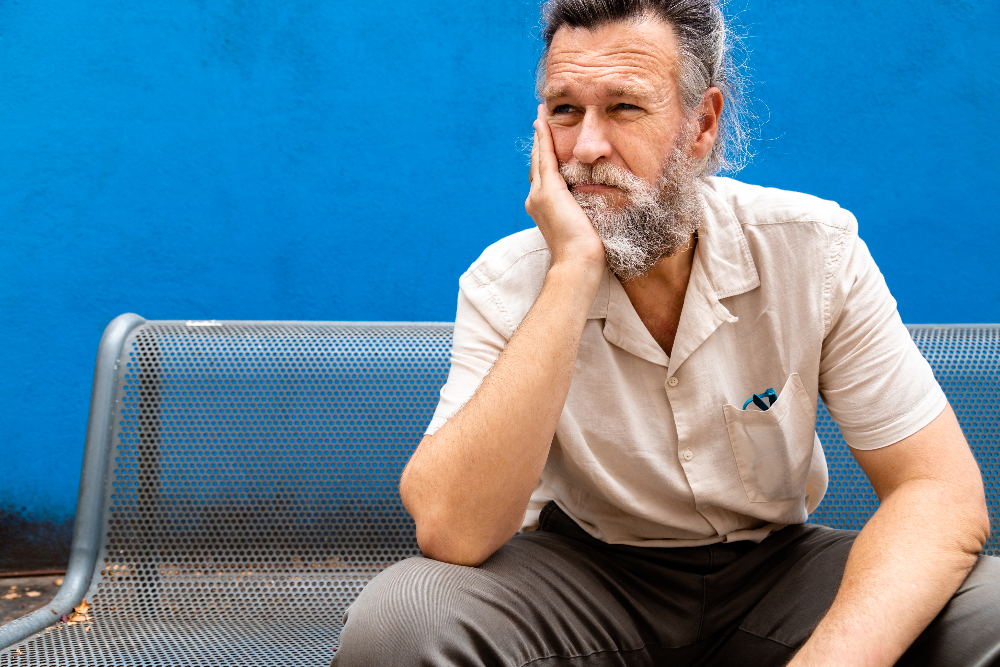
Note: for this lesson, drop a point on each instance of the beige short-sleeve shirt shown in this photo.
(654, 450)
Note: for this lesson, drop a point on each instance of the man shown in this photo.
(633, 387)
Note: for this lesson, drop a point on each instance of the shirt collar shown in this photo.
(723, 248)
(624, 328)
(722, 267)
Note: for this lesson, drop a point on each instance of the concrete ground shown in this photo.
(21, 595)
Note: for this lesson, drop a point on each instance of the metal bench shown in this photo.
(239, 483)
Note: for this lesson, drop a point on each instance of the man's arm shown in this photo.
(468, 484)
(912, 555)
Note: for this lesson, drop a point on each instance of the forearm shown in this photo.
(904, 567)
(467, 485)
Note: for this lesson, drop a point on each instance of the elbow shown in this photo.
(980, 516)
(448, 547)
(982, 526)
(441, 533)
(974, 524)
(441, 537)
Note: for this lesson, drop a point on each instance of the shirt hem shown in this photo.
(928, 409)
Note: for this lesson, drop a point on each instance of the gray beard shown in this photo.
(658, 221)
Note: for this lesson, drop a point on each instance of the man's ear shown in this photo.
(708, 114)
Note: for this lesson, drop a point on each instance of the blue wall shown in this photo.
(346, 161)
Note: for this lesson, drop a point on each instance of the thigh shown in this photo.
(768, 604)
(967, 631)
(542, 599)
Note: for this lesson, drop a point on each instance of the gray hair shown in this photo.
(705, 44)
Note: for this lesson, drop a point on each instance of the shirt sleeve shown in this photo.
(875, 382)
(475, 348)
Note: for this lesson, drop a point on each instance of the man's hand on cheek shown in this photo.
(567, 229)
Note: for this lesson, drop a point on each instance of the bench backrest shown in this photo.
(277, 447)
(256, 465)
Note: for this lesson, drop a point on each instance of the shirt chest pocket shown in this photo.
(773, 449)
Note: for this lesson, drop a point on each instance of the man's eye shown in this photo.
(563, 108)
(628, 107)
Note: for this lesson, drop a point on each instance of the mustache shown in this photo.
(602, 173)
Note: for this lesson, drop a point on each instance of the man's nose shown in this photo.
(592, 143)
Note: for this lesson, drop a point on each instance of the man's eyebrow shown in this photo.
(550, 93)
(632, 91)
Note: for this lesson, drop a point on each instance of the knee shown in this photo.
(400, 615)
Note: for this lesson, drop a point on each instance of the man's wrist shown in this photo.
(571, 287)
(586, 272)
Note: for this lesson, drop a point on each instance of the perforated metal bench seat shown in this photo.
(239, 483)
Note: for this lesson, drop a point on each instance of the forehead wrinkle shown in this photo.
(656, 47)
(630, 60)
(635, 83)
(634, 74)
(643, 51)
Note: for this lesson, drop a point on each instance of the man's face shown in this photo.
(626, 147)
(613, 98)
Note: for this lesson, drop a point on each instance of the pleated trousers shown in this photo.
(557, 596)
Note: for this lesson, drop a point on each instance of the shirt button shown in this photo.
(672, 381)
(688, 455)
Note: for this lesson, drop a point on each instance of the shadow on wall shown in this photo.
(33, 545)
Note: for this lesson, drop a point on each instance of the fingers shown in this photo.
(533, 169)
(548, 164)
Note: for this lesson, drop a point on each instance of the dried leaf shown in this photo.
(82, 608)
(58, 582)
(76, 618)
(32, 594)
